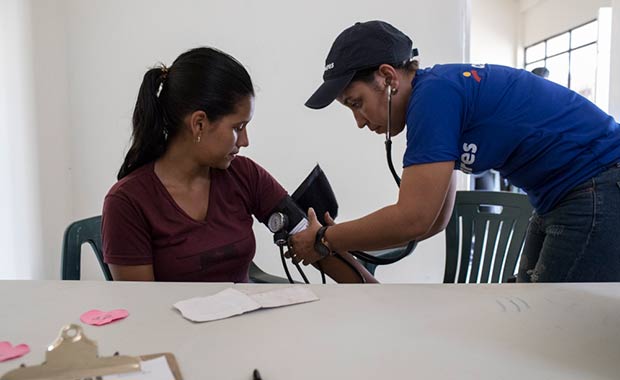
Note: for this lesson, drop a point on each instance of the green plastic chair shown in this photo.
(88, 231)
(85, 231)
(387, 254)
(485, 236)
(258, 276)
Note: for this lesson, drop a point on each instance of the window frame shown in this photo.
(570, 49)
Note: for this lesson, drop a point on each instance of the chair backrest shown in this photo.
(258, 276)
(77, 234)
(485, 236)
(384, 254)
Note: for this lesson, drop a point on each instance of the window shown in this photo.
(571, 58)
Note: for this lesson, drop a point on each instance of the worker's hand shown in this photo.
(328, 219)
(301, 245)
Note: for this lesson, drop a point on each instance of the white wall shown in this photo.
(494, 31)
(20, 224)
(54, 128)
(91, 55)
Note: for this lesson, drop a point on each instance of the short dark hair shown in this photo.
(541, 72)
(204, 79)
(368, 75)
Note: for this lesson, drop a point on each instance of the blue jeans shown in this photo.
(579, 240)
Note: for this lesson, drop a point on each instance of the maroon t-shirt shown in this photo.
(142, 224)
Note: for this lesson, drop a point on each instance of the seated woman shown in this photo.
(183, 204)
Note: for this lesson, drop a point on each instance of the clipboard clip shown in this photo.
(74, 356)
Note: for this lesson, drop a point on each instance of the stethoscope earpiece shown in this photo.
(388, 133)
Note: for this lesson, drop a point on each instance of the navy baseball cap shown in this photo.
(361, 46)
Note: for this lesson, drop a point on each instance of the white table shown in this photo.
(512, 331)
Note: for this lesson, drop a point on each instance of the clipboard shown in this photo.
(73, 356)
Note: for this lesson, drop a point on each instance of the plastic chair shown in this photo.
(89, 231)
(78, 233)
(485, 236)
(387, 254)
(258, 276)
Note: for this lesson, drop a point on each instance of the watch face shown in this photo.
(276, 222)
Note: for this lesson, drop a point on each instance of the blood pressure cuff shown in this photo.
(316, 192)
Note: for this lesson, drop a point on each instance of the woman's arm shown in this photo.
(132, 272)
(422, 195)
(341, 272)
(344, 268)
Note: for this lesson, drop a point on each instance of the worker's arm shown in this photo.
(423, 192)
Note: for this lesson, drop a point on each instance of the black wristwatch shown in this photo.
(320, 244)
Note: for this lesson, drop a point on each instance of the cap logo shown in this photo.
(329, 66)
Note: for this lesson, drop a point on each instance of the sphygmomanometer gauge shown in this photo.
(277, 221)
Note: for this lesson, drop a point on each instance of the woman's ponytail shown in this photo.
(148, 140)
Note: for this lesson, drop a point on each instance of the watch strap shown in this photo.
(320, 244)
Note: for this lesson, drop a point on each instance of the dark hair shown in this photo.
(200, 79)
(368, 75)
(541, 72)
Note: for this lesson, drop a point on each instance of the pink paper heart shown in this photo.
(98, 317)
(7, 351)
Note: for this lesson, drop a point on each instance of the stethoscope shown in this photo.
(388, 138)
(360, 254)
(388, 152)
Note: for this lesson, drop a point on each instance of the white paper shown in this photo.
(283, 297)
(154, 369)
(222, 305)
(231, 302)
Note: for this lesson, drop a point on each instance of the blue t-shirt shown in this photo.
(542, 137)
